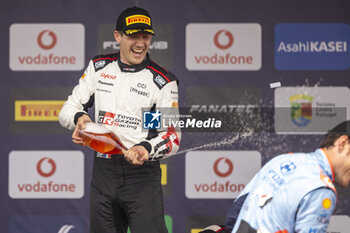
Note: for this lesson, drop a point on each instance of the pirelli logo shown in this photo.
(137, 19)
(164, 179)
(37, 110)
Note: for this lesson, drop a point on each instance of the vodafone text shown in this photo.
(226, 59)
(219, 187)
(46, 187)
(47, 60)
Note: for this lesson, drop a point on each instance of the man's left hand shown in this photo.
(136, 155)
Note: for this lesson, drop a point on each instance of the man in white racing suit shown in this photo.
(126, 190)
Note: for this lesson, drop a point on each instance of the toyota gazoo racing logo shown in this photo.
(118, 120)
(47, 39)
(223, 167)
(46, 167)
(106, 118)
(221, 36)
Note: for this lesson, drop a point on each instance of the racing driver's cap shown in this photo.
(134, 20)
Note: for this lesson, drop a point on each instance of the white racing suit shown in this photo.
(124, 195)
(120, 94)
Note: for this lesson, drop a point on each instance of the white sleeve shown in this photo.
(167, 141)
(80, 100)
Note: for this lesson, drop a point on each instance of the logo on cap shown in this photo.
(137, 19)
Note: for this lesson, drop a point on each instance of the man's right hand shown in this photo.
(81, 124)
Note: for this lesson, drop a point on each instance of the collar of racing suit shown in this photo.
(325, 163)
(134, 68)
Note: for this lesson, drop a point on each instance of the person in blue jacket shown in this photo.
(295, 192)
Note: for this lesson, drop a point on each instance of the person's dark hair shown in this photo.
(341, 129)
(329, 140)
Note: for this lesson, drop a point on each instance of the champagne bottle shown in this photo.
(101, 139)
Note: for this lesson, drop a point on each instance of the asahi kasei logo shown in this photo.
(46, 174)
(312, 46)
(47, 47)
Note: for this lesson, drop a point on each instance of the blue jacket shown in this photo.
(291, 193)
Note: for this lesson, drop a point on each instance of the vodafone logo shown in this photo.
(223, 46)
(46, 167)
(222, 174)
(218, 167)
(46, 174)
(47, 47)
(220, 43)
(47, 39)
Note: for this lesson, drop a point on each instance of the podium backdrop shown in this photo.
(286, 63)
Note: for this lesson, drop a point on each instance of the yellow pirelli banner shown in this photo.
(37, 110)
(137, 19)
